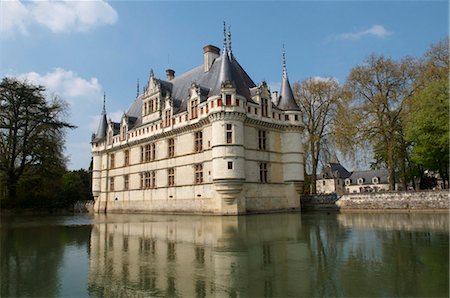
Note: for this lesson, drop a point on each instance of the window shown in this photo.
(151, 106)
(145, 109)
(219, 102)
(194, 107)
(126, 182)
(126, 158)
(171, 176)
(237, 102)
(230, 165)
(323, 182)
(229, 133)
(264, 107)
(360, 181)
(347, 181)
(153, 179)
(148, 151)
(375, 180)
(198, 173)
(171, 147)
(153, 151)
(148, 179)
(263, 172)
(112, 160)
(286, 117)
(111, 183)
(262, 140)
(167, 118)
(296, 117)
(228, 99)
(198, 147)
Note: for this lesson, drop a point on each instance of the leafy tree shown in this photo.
(76, 186)
(380, 89)
(427, 122)
(318, 100)
(31, 136)
(428, 128)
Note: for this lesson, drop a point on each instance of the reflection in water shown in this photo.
(270, 255)
(297, 255)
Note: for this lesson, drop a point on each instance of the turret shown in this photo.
(286, 100)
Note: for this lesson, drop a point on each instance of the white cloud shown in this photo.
(58, 16)
(375, 30)
(65, 83)
(13, 16)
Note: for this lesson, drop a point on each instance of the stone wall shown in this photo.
(412, 200)
(319, 202)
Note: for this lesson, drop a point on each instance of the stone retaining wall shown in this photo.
(411, 200)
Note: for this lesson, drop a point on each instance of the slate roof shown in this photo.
(223, 67)
(382, 174)
(286, 100)
(335, 170)
(102, 126)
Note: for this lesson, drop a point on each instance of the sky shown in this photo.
(80, 50)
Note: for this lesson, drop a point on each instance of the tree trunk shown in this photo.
(391, 165)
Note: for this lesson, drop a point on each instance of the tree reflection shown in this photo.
(32, 255)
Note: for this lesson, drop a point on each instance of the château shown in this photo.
(209, 141)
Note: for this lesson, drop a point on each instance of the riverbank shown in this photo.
(435, 201)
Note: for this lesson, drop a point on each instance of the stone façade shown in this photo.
(209, 141)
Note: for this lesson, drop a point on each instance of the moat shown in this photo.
(297, 255)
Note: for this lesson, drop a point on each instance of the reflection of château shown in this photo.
(208, 141)
(196, 256)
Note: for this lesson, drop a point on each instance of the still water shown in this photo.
(312, 254)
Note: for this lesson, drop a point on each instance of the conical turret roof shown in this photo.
(103, 124)
(286, 100)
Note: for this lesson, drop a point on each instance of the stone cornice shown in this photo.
(224, 115)
(172, 132)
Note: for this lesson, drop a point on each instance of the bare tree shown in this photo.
(318, 99)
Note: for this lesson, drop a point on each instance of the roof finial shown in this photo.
(104, 103)
(137, 88)
(229, 40)
(224, 37)
(152, 75)
(284, 63)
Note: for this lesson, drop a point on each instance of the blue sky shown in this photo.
(79, 50)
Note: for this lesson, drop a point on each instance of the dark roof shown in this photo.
(382, 174)
(102, 126)
(286, 100)
(335, 170)
(222, 68)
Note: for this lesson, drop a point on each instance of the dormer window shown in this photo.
(375, 180)
(228, 99)
(264, 107)
(194, 107)
(348, 181)
(360, 181)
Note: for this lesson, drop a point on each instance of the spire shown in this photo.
(229, 42)
(104, 103)
(137, 88)
(152, 75)
(284, 63)
(287, 101)
(225, 71)
(224, 37)
(101, 131)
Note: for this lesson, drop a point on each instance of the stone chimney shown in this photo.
(210, 53)
(170, 73)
